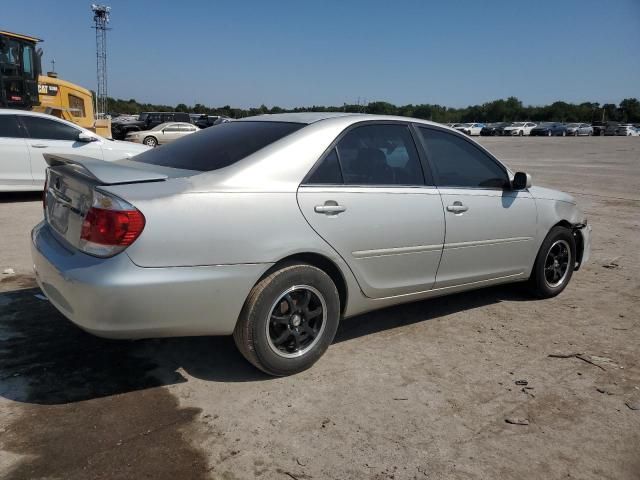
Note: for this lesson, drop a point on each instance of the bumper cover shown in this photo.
(585, 231)
(115, 298)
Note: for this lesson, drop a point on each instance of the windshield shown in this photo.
(219, 147)
(517, 124)
(573, 125)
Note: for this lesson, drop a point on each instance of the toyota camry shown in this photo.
(275, 228)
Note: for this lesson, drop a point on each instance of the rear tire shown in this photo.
(554, 263)
(289, 320)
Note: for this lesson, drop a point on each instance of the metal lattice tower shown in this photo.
(101, 19)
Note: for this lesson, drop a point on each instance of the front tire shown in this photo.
(150, 141)
(554, 263)
(289, 320)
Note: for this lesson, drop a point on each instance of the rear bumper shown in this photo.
(115, 298)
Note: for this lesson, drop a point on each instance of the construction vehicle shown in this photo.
(22, 85)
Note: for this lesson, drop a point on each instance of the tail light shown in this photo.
(110, 226)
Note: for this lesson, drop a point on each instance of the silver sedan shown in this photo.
(161, 134)
(274, 228)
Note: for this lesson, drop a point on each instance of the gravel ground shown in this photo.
(425, 390)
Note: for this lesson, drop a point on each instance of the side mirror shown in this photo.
(85, 137)
(521, 180)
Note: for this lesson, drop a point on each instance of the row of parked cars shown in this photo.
(134, 127)
(548, 129)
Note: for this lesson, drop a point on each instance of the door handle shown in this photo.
(329, 208)
(457, 207)
(39, 145)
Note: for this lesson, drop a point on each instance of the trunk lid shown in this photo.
(72, 180)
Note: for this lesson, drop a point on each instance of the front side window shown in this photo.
(458, 163)
(379, 155)
(219, 147)
(46, 129)
(9, 127)
(76, 106)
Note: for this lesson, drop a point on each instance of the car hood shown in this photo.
(120, 146)
(141, 132)
(541, 193)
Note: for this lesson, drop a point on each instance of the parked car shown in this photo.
(627, 130)
(163, 133)
(576, 129)
(494, 129)
(471, 129)
(146, 121)
(206, 121)
(599, 128)
(612, 128)
(518, 128)
(25, 136)
(268, 228)
(549, 129)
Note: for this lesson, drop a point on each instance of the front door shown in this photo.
(15, 166)
(369, 200)
(490, 229)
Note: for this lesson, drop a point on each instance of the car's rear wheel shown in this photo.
(150, 141)
(289, 320)
(554, 264)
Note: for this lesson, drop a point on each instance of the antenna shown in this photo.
(101, 15)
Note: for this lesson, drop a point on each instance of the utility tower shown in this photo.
(101, 19)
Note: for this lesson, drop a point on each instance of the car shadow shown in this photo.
(45, 359)
(15, 197)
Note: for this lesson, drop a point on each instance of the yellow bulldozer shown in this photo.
(23, 86)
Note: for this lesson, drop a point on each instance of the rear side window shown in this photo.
(46, 129)
(380, 155)
(9, 127)
(458, 163)
(328, 172)
(219, 147)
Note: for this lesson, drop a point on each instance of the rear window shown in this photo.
(219, 146)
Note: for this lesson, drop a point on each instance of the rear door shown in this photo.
(368, 198)
(15, 165)
(47, 135)
(490, 229)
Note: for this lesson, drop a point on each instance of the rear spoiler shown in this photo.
(106, 173)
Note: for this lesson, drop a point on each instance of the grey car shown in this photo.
(274, 228)
(576, 129)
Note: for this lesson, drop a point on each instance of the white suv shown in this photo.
(25, 136)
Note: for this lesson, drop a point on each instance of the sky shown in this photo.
(329, 52)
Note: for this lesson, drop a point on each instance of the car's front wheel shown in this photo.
(150, 141)
(289, 320)
(554, 264)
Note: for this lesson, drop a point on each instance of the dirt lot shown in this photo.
(418, 391)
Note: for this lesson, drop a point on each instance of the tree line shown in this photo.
(510, 109)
